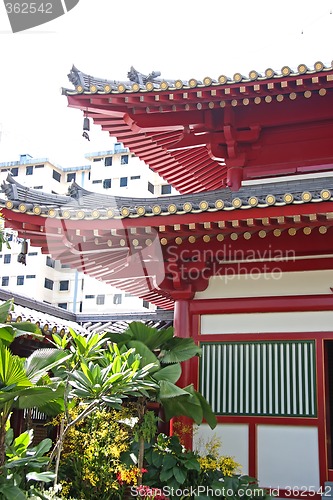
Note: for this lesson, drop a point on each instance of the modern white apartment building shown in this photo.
(116, 172)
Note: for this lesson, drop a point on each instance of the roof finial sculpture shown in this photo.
(135, 76)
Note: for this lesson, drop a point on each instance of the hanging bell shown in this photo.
(22, 257)
(25, 247)
(86, 124)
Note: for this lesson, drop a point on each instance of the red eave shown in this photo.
(214, 134)
(127, 257)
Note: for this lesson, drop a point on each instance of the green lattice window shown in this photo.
(273, 378)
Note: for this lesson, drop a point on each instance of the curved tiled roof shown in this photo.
(125, 244)
(83, 204)
(204, 135)
(137, 82)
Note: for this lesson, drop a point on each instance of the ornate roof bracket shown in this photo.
(226, 148)
(184, 279)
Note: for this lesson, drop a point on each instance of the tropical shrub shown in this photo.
(180, 473)
(26, 382)
(23, 468)
(98, 375)
(164, 352)
(91, 463)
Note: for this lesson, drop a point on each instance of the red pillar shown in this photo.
(182, 426)
(181, 323)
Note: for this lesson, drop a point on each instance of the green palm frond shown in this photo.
(149, 336)
(171, 373)
(179, 349)
(12, 371)
(147, 356)
(5, 309)
(30, 397)
(41, 361)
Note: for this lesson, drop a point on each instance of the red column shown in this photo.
(182, 426)
(181, 323)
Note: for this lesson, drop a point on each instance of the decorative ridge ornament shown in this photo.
(83, 204)
(137, 81)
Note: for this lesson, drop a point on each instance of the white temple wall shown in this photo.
(271, 284)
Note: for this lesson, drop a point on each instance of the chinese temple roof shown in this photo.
(138, 82)
(149, 247)
(83, 204)
(209, 134)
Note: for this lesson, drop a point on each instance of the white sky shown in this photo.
(182, 39)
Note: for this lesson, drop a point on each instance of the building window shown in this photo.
(30, 276)
(145, 304)
(117, 298)
(32, 254)
(97, 159)
(100, 300)
(89, 296)
(7, 258)
(135, 177)
(63, 285)
(50, 262)
(288, 364)
(124, 160)
(107, 183)
(71, 177)
(151, 188)
(56, 175)
(99, 181)
(5, 281)
(62, 305)
(48, 284)
(20, 280)
(65, 266)
(39, 166)
(123, 181)
(14, 171)
(108, 161)
(29, 170)
(166, 189)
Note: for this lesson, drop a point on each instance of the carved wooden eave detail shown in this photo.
(203, 135)
(164, 249)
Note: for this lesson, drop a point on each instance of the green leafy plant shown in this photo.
(163, 352)
(23, 471)
(97, 375)
(26, 382)
(180, 473)
(9, 330)
(93, 448)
